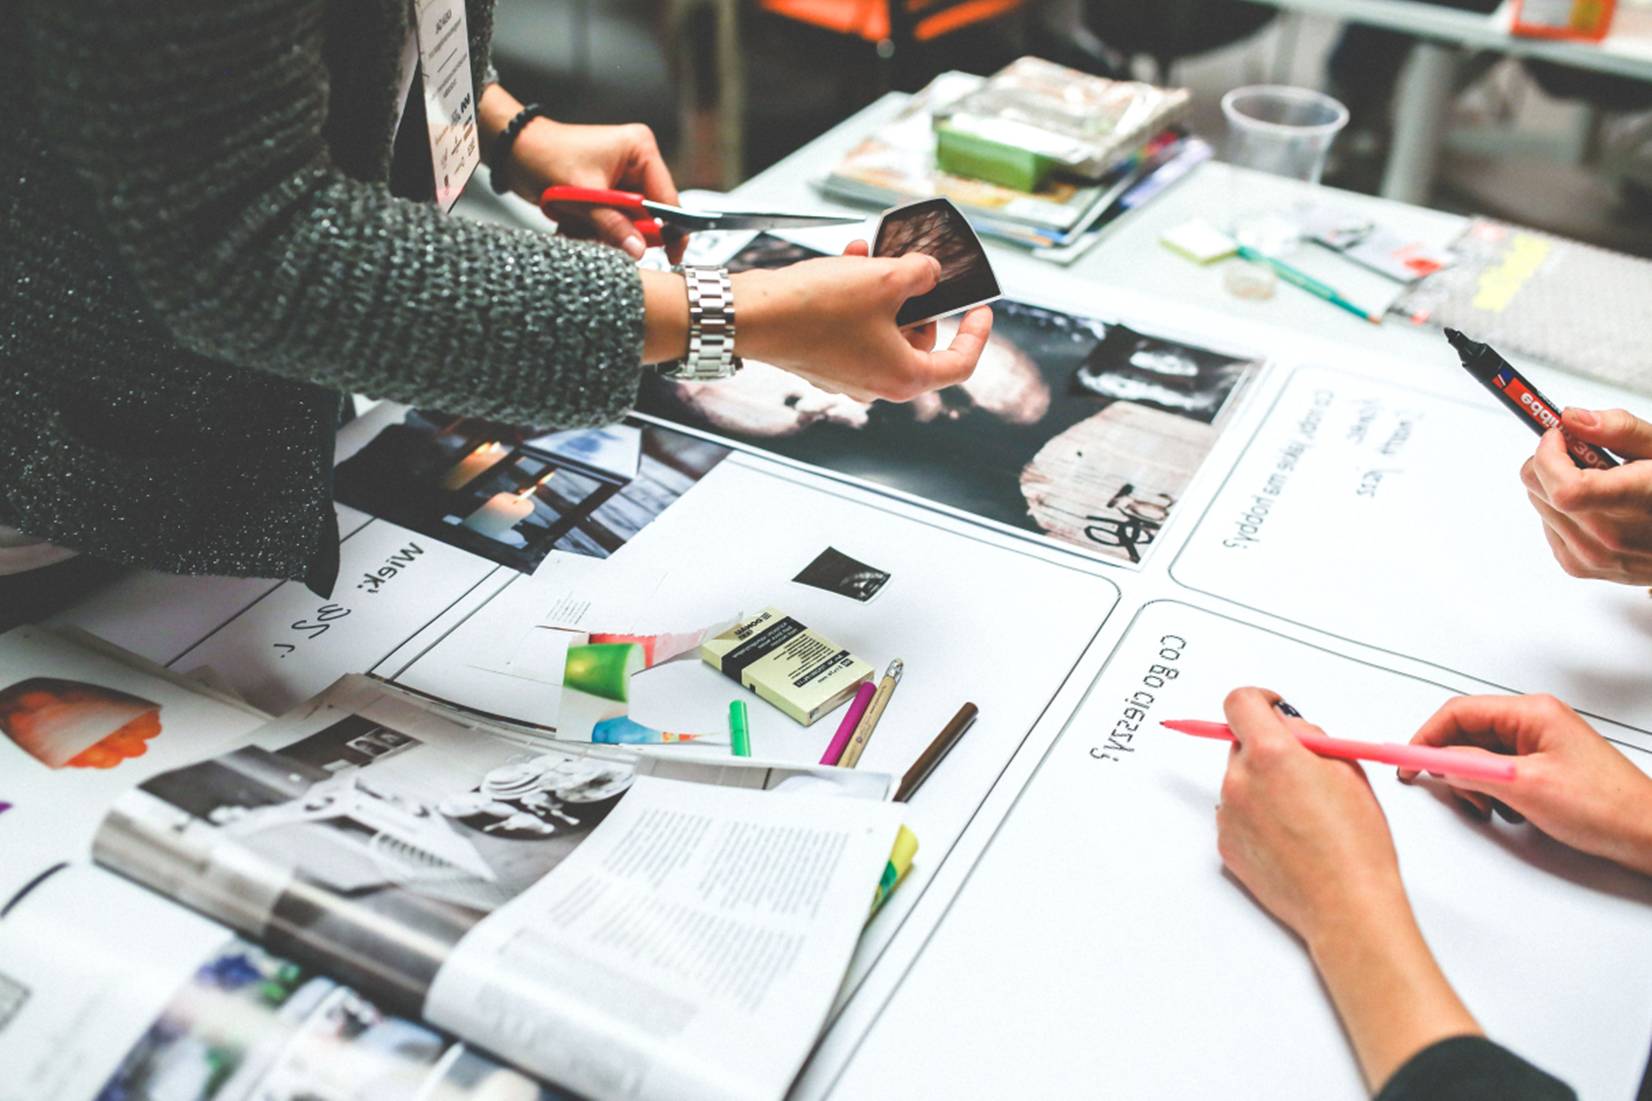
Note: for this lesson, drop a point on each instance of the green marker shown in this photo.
(1298, 278)
(739, 734)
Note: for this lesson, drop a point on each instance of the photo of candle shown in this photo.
(503, 511)
(462, 481)
(478, 462)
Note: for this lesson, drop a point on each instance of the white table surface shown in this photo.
(1129, 264)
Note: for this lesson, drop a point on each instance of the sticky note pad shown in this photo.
(1199, 241)
(802, 672)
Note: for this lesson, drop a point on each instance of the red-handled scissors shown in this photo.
(650, 218)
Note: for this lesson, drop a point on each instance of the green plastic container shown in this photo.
(603, 669)
(966, 154)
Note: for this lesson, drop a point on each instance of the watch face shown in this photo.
(936, 228)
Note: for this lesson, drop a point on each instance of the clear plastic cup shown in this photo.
(1281, 130)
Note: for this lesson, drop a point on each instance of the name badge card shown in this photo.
(449, 95)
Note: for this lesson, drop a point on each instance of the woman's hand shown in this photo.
(1305, 835)
(1570, 782)
(1598, 522)
(626, 158)
(832, 321)
(548, 153)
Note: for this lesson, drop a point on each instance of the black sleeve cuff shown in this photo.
(1471, 1068)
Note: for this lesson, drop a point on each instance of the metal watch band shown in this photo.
(710, 326)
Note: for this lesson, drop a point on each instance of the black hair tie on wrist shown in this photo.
(507, 138)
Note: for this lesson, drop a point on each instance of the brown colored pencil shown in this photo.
(938, 749)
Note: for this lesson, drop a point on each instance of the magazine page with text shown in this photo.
(616, 932)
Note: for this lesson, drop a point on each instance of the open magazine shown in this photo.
(371, 890)
(138, 997)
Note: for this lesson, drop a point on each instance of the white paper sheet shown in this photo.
(1099, 948)
(279, 643)
(1394, 518)
(1061, 948)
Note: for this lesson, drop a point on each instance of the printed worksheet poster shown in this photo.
(278, 643)
(1396, 519)
(292, 643)
(970, 619)
(1102, 940)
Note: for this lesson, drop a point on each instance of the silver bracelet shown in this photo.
(710, 327)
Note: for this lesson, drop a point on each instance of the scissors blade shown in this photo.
(702, 220)
(754, 220)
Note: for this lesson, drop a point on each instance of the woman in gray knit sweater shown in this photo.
(212, 226)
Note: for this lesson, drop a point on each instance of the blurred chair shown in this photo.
(1166, 31)
(729, 74)
(904, 32)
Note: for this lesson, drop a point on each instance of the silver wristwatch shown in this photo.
(710, 327)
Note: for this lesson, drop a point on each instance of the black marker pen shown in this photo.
(1499, 376)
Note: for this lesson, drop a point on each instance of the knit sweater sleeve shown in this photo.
(1471, 1068)
(197, 127)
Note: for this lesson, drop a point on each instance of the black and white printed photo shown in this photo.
(1083, 430)
(836, 572)
(360, 824)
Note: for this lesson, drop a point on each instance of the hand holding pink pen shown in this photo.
(1442, 762)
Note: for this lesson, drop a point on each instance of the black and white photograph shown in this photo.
(512, 495)
(1082, 430)
(836, 572)
(366, 825)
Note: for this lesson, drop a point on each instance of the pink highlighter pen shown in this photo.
(851, 719)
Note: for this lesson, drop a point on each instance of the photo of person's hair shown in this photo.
(936, 228)
(1085, 430)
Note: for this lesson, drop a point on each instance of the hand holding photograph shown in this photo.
(939, 230)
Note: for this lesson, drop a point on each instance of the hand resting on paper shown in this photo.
(1571, 783)
(1306, 837)
(1597, 522)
